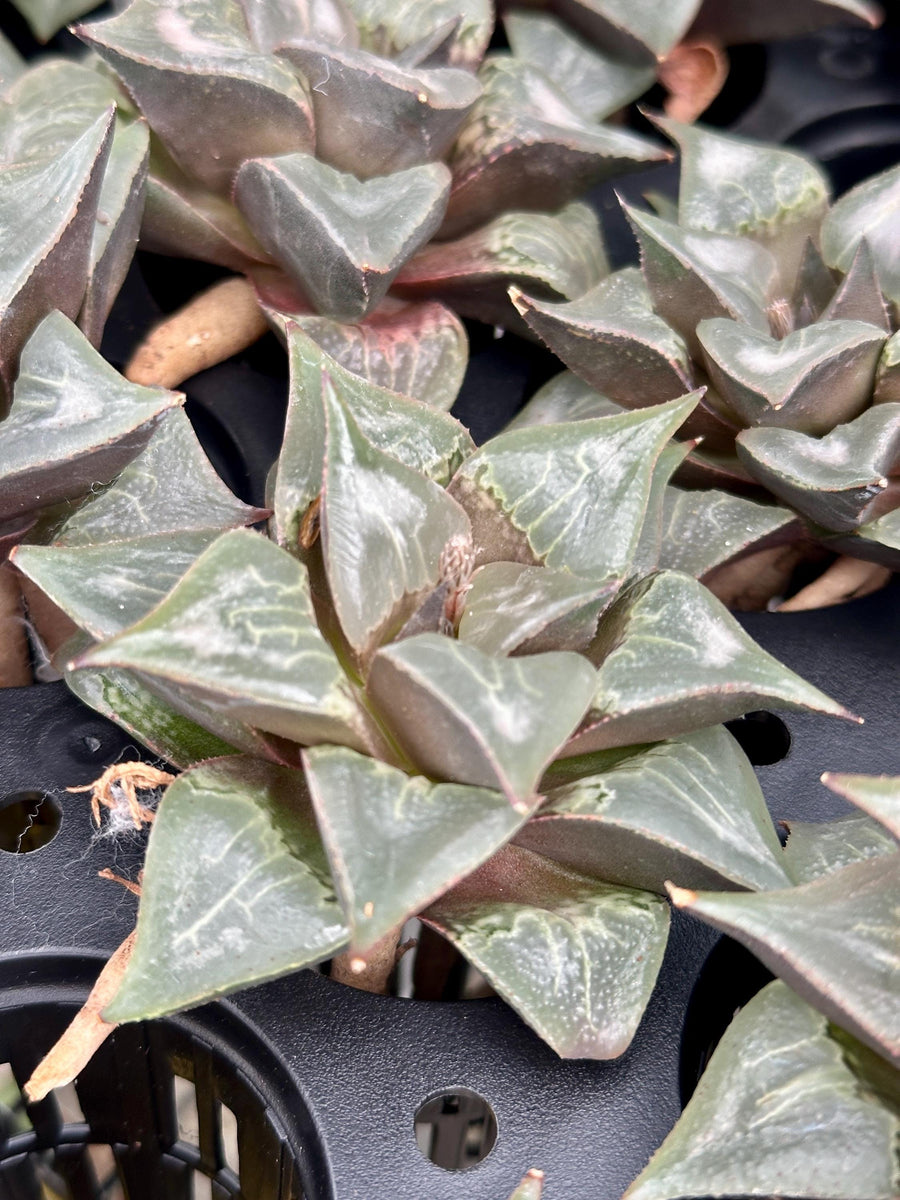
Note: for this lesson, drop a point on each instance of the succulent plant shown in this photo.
(784, 309)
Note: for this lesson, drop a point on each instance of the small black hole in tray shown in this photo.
(763, 737)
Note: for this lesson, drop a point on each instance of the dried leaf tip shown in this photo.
(680, 897)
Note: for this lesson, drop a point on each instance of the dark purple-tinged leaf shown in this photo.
(384, 527)
(748, 189)
(74, 423)
(374, 117)
(575, 494)
(396, 842)
(170, 486)
(878, 795)
(210, 97)
(274, 22)
(765, 20)
(524, 146)
(813, 288)
(692, 275)
(236, 889)
(390, 27)
(611, 337)
(816, 848)
(870, 211)
(576, 958)
(887, 378)
(238, 631)
(511, 608)
(556, 255)
(717, 470)
(564, 398)
(467, 717)
(340, 239)
(703, 530)
(859, 297)
(834, 941)
(878, 541)
(672, 659)
(12, 532)
(595, 84)
(636, 33)
(778, 1112)
(840, 481)
(48, 208)
(690, 810)
(811, 380)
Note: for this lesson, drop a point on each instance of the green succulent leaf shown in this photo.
(384, 530)
(595, 83)
(341, 239)
(877, 541)
(236, 890)
(778, 1111)
(464, 716)
(840, 481)
(210, 97)
(524, 146)
(870, 211)
(374, 117)
(74, 421)
(859, 297)
(814, 286)
(834, 941)
(610, 336)
(274, 22)
(690, 810)
(531, 1187)
(816, 848)
(48, 208)
(672, 659)
(389, 27)
(576, 958)
(811, 380)
(637, 33)
(47, 17)
(238, 631)
(559, 254)
(12, 64)
(576, 493)
(564, 398)
(649, 547)
(704, 530)
(878, 795)
(887, 379)
(748, 189)
(514, 608)
(397, 842)
(692, 275)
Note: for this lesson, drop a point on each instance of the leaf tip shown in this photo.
(680, 897)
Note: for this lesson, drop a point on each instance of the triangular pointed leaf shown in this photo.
(841, 480)
(877, 541)
(564, 398)
(366, 810)
(195, 58)
(389, 27)
(834, 941)
(464, 716)
(274, 22)
(75, 421)
(374, 117)
(878, 795)
(816, 848)
(531, 1187)
(887, 379)
(236, 889)
(690, 809)
(577, 492)
(811, 380)
(576, 958)
(342, 240)
(870, 211)
(673, 659)
(47, 17)
(703, 530)
(778, 1111)
(511, 607)
(813, 286)
(649, 547)
(636, 33)
(859, 297)
(239, 631)
(611, 337)
(524, 146)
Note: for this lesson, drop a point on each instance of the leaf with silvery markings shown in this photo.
(815, 848)
(564, 398)
(870, 211)
(389, 27)
(704, 529)
(878, 795)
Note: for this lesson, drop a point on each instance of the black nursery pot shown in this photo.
(324, 1083)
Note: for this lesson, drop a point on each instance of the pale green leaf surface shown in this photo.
(274, 22)
(12, 65)
(531, 1187)
(777, 1112)
(47, 17)
(878, 795)
(464, 716)
(871, 210)
(641, 33)
(704, 529)
(396, 842)
(577, 959)
(649, 547)
(390, 26)
(689, 810)
(887, 379)
(564, 398)
(816, 848)
(49, 107)
(236, 890)
(877, 541)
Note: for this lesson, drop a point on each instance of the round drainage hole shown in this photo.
(28, 821)
(763, 737)
(456, 1129)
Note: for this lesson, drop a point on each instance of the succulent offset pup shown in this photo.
(785, 309)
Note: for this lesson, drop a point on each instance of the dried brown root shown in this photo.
(127, 884)
(846, 579)
(216, 324)
(748, 584)
(693, 73)
(85, 1035)
(122, 781)
(372, 971)
(15, 662)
